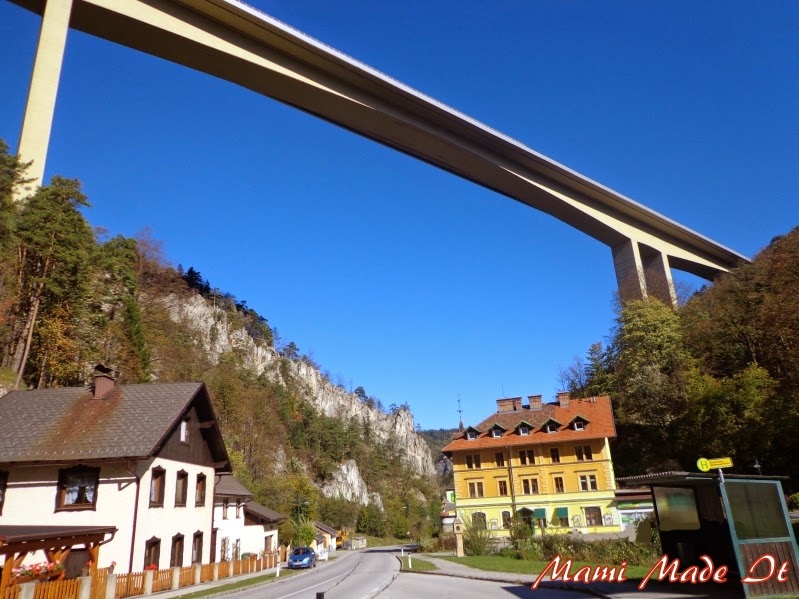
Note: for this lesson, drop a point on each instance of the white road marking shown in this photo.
(313, 586)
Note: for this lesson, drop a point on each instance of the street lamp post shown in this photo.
(408, 515)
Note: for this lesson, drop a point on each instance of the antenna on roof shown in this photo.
(460, 414)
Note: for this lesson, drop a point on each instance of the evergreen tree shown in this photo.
(54, 245)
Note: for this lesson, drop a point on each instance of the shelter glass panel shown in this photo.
(756, 510)
(676, 508)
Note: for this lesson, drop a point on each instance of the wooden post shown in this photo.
(94, 554)
(11, 563)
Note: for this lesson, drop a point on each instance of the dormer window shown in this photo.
(471, 435)
(496, 432)
(524, 430)
(578, 425)
(551, 427)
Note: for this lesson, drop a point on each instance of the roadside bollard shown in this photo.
(410, 562)
(277, 574)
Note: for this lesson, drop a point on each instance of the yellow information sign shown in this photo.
(705, 464)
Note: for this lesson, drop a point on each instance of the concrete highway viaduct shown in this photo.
(235, 42)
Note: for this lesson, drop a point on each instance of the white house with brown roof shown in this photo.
(140, 458)
(260, 527)
(241, 525)
(325, 538)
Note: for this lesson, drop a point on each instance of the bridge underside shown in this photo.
(236, 43)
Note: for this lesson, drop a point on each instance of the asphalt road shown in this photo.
(375, 573)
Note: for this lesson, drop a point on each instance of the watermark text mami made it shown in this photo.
(665, 569)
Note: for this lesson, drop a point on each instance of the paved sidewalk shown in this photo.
(210, 587)
(604, 590)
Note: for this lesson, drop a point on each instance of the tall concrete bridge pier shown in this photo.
(235, 42)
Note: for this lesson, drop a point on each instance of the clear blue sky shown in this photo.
(398, 277)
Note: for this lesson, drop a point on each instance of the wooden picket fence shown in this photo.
(129, 585)
(57, 589)
(162, 580)
(206, 573)
(186, 576)
(132, 585)
(99, 580)
(270, 561)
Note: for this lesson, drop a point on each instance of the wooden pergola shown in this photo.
(16, 542)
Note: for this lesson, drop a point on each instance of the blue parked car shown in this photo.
(302, 557)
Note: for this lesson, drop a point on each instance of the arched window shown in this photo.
(197, 548)
(479, 521)
(152, 552)
(505, 519)
(176, 558)
(157, 485)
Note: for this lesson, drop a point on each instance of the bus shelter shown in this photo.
(738, 521)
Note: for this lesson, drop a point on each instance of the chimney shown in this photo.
(104, 382)
(509, 404)
(563, 398)
(535, 401)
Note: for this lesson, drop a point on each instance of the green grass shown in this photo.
(257, 580)
(496, 563)
(419, 565)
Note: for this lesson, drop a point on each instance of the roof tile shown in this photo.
(596, 411)
(43, 425)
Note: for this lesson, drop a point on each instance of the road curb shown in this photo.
(556, 586)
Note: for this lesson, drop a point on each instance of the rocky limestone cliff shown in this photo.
(212, 327)
(348, 484)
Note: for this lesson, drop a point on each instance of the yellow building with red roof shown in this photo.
(549, 464)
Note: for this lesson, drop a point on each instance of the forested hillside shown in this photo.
(71, 297)
(717, 377)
